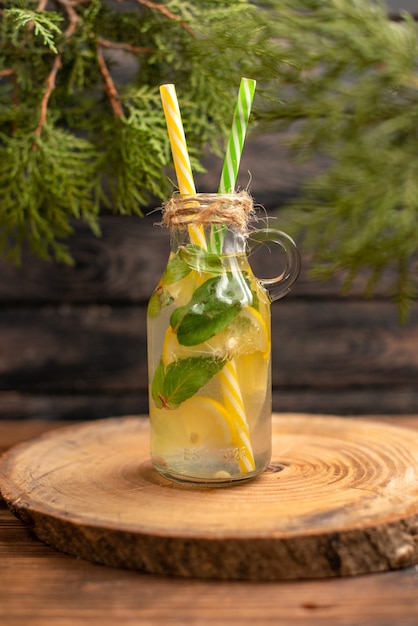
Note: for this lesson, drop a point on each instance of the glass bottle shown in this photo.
(209, 343)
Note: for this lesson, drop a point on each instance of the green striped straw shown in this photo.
(234, 149)
(231, 391)
(237, 135)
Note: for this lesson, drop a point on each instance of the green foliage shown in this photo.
(351, 95)
(81, 121)
(82, 127)
(42, 189)
(43, 24)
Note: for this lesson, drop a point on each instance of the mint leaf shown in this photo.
(213, 306)
(197, 327)
(159, 299)
(201, 260)
(158, 384)
(176, 270)
(180, 380)
(256, 300)
(177, 315)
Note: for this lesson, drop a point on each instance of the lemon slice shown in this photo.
(198, 422)
(173, 350)
(254, 380)
(248, 333)
(182, 290)
(252, 333)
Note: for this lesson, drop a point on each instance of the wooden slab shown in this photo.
(339, 498)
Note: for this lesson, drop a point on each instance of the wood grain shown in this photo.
(339, 498)
(313, 344)
(26, 406)
(328, 357)
(125, 263)
(73, 343)
(43, 587)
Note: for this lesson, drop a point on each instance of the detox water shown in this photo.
(209, 349)
(209, 343)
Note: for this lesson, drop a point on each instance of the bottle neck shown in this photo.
(213, 239)
(216, 223)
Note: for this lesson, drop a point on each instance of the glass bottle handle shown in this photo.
(280, 285)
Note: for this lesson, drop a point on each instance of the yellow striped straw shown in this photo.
(180, 153)
(231, 391)
(232, 399)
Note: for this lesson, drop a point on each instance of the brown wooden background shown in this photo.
(73, 341)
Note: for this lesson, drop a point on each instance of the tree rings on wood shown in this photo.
(340, 497)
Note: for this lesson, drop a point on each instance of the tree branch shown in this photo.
(172, 16)
(110, 88)
(115, 45)
(50, 86)
(72, 15)
(51, 79)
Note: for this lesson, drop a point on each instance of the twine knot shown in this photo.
(233, 209)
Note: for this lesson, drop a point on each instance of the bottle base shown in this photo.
(216, 479)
